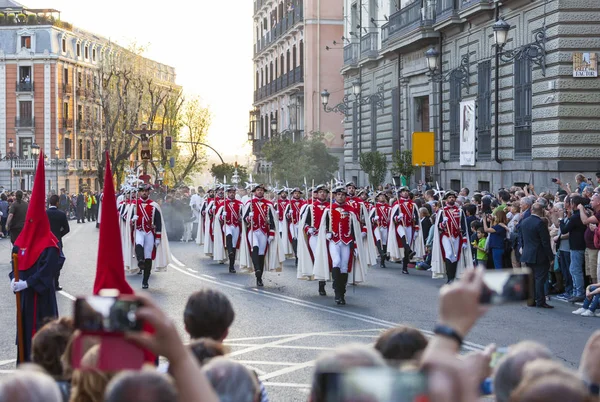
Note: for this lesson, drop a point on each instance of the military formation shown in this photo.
(333, 232)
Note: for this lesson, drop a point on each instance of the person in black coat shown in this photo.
(59, 226)
(80, 205)
(536, 251)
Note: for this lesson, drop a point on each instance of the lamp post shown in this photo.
(460, 73)
(376, 100)
(11, 155)
(35, 151)
(273, 127)
(56, 152)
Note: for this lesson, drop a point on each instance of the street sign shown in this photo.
(423, 148)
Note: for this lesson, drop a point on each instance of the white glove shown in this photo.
(157, 242)
(401, 216)
(12, 284)
(356, 252)
(134, 218)
(1, 214)
(376, 218)
(311, 231)
(445, 219)
(364, 234)
(329, 235)
(251, 215)
(19, 285)
(271, 238)
(465, 246)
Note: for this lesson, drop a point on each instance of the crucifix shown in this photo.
(144, 136)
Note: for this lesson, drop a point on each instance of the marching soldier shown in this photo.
(230, 217)
(292, 213)
(450, 242)
(405, 219)
(208, 213)
(281, 206)
(381, 225)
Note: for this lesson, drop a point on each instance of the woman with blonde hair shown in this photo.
(88, 383)
(497, 234)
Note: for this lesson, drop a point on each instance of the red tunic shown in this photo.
(354, 202)
(294, 211)
(145, 213)
(260, 219)
(382, 211)
(219, 202)
(319, 207)
(341, 223)
(281, 206)
(407, 209)
(451, 227)
(233, 212)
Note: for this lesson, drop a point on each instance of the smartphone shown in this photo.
(106, 314)
(554, 180)
(507, 286)
(497, 355)
(376, 384)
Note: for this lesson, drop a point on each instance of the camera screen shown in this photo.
(106, 314)
(376, 385)
(506, 286)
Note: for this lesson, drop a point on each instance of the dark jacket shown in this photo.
(59, 224)
(576, 230)
(535, 239)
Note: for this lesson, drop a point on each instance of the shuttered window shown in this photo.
(484, 110)
(522, 109)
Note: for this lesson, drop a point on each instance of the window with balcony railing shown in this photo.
(484, 110)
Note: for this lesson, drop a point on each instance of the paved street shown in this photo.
(280, 330)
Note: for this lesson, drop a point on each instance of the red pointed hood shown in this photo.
(36, 235)
(110, 271)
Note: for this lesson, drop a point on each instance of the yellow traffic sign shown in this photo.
(423, 148)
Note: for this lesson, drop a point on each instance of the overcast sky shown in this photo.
(208, 42)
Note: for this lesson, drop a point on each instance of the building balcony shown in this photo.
(283, 82)
(469, 8)
(351, 54)
(409, 28)
(280, 29)
(446, 13)
(24, 86)
(369, 46)
(25, 164)
(25, 122)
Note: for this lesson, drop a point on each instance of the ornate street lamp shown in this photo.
(273, 126)
(534, 51)
(35, 151)
(461, 73)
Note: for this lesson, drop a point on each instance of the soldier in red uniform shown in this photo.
(148, 227)
(231, 219)
(352, 198)
(292, 213)
(381, 225)
(453, 243)
(259, 217)
(406, 217)
(313, 222)
(342, 242)
(280, 206)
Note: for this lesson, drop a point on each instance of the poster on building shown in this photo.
(467, 133)
(585, 64)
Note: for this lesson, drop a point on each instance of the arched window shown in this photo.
(257, 81)
(271, 72)
(267, 74)
(301, 52)
(287, 61)
(262, 77)
(294, 56)
(282, 61)
(276, 69)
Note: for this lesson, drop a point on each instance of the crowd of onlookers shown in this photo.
(201, 370)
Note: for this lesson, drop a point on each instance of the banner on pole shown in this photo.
(467, 133)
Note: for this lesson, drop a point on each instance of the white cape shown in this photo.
(128, 241)
(397, 252)
(273, 258)
(200, 231)
(208, 241)
(286, 245)
(368, 241)
(305, 263)
(163, 251)
(219, 252)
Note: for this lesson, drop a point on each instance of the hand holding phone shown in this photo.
(106, 314)
(507, 286)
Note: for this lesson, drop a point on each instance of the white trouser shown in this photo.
(293, 228)
(451, 247)
(146, 240)
(340, 255)
(234, 231)
(381, 234)
(406, 231)
(312, 242)
(258, 239)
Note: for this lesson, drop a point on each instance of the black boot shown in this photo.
(322, 291)
(295, 248)
(405, 263)
(147, 269)
(407, 250)
(387, 257)
(259, 271)
(231, 253)
(451, 270)
(381, 254)
(139, 255)
(336, 275)
(343, 283)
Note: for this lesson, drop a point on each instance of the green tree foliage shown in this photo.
(227, 170)
(402, 164)
(292, 161)
(374, 164)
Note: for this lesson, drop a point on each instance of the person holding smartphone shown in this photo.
(495, 226)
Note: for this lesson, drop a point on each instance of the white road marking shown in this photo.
(306, 333)
(5, 362)
(256, 370)
(470, 346)
(254, 348)
(181, 264)
(286, 370)
(281, 346)
(67, 295)
(286, 384)
(209, 277)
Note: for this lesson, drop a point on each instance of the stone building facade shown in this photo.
(547, 118)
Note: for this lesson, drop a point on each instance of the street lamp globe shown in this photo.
(356, 88)
(11, 144)
(56, 151)
(325, 97)
(273, 124)
(501, 29)
(432, 59)
(35, 150)
(250, 136)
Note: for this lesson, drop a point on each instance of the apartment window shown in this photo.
(67, 147)
(522, 109)
(66, 110)
(295, 64)
(301, 52)
(65, 75)
(25, 110)
(86, 52)
(455, 185)
(78, 47)
(80, 149)
(484, 110)
(455, 98)
(24, 74)
(64, 45)
(483, 185)
(26, 42)
(395, 120)
(79, 79)
(67, 187)
(25, 147)
(94, 54)
(88, 151)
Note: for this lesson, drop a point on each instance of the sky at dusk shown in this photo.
(208, 42)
